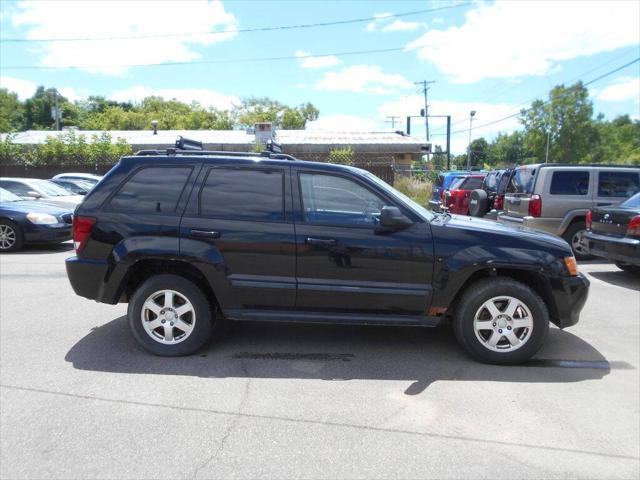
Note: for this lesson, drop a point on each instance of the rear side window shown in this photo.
(472, 183)
(522, 181)
(570, 183)
(152, 190)
(618, 184)
(243, 193)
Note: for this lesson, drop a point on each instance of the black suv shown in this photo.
(188, 238)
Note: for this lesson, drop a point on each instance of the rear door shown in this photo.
(238, 230)
(566, 189)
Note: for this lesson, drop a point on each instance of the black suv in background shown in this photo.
(189, 237)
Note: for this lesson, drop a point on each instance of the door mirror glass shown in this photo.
(392, 219)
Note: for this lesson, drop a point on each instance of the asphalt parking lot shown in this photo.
(80, 399)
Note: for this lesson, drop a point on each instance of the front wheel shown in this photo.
(501, 321)
(11, 238)
(170, 316)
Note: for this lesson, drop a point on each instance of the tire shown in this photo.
(478, 203)
(573, 236)
(149, 316)
(634, 269)
(11, 236)
(473, 324)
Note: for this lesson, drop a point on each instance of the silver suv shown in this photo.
(556, 197)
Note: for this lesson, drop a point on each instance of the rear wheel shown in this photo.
(11, 238)
(501, 321)
(575, 238)
(170, 316)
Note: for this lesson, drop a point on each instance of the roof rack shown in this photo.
(185, 146)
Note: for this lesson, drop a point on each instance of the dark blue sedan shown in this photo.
(25, 222)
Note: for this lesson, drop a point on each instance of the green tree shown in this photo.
(11, 111)
(253, 110)
(507, 150)
(479, 152)
(38, 109)
(567, 116)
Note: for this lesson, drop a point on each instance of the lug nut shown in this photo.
(171, 324)
(162, 321)
(494, 324)
(509, 328)
(500, 331)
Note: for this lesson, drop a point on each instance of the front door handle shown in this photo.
(320, 241)
(208, 234)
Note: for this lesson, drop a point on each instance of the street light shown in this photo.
(471, 114)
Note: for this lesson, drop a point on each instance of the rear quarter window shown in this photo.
(472, 183)
(618, 184)
(572, 182)
(522, 181)
(151, 190)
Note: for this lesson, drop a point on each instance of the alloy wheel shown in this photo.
(168, 317)
(503, 324)
(577, 242)
(7, 237)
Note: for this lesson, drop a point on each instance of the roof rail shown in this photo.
(214, 153)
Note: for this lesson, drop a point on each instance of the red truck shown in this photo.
(456, 198)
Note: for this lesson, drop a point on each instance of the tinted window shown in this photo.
(633, 202)
(472, 183)
(617, 184)
(240, 193)
(16, 188)
(152, 190)
(338, 200)
(491, 181)
(570, 183)
(522, 181)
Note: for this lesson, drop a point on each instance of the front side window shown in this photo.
(570, 183)
(328, 199)
(152, 190)
(618, 184)
(243, 193)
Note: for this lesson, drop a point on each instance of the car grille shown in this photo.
(67, 218)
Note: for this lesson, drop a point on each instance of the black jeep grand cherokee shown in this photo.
(188, 237)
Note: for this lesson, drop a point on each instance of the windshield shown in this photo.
(7, 196)
(50, 189)
(393, 192)
(633, 202)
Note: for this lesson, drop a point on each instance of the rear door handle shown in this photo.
(204, 234)
(320, 241)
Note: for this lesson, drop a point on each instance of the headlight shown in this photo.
(42, 218)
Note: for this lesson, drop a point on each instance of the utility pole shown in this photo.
(392, 120)
(57, 111)
(425, 89)
(471, 114)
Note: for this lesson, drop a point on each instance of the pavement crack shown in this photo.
(232, 426)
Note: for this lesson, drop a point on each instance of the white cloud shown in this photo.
(402, 26)
(204, 96)
(23, 88)
(459, 111)
(512, 39)
(379, 18)
(101, 18)
(621, 90)
(363, 78)
(309, 61)
(343, 123)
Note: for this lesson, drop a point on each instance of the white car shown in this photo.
(41, 190)
(86, 177)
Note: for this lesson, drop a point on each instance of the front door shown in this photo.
(343, 265)
(239, 232)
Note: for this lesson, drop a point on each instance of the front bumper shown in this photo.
(570, 295)
(58, 232)
(618, 249)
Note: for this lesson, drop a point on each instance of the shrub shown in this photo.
(418, 190)
(341, 156)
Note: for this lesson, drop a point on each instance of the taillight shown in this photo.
(82, 227)
(535, 206)
(633, 230)
(589, 220)
(498, 202)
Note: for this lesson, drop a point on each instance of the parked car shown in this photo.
(187, 238)
(41, 190)
(556, 197)
(457, 197)
(76, 187)
(23, 222)
(614, 233)
(490, 196)
(442, 183)
(87, 177)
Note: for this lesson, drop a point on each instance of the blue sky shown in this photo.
(492, 57)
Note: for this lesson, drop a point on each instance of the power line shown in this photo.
(238, 30)
(604, 75)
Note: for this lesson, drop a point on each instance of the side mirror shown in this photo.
(33, 194)
(392, 219)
